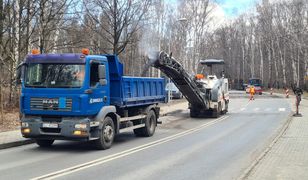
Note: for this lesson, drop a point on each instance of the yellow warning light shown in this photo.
(85, 51)
(35, 51)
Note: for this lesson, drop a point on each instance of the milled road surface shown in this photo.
(182, 148)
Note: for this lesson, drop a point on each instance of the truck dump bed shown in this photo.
(137, 91)
(127, 91)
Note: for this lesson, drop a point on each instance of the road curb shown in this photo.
(248, 170)
(168, 105)
(16, 143)
(171, 112)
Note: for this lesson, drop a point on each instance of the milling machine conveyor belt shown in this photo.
(175, 71)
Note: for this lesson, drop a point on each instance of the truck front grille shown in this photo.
(50, 104)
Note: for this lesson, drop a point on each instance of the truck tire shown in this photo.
(226, 107)
(150, 125)
(44, 142)
(217, 112)
(106, 134)
(193, 113)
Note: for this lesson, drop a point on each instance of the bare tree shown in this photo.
(116, 21)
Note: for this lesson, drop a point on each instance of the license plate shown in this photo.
(50, 125)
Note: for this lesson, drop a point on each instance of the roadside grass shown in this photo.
(10, 120)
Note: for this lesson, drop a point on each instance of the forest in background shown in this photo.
(269, 42)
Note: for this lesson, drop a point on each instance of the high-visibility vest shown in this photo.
(252, 90)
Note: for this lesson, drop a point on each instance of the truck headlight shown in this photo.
(80, 126)
(24, 124)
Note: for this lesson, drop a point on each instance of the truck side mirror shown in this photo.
(102, 74)
(103, 82)
(19, 73)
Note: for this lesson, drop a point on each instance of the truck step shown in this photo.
(131, 118)
(128, 129)
(93, 138)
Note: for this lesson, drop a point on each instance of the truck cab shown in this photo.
(82, 97)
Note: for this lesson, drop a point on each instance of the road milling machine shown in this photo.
(207, 95)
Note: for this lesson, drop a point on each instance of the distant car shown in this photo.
(257, 83)
(174, 91)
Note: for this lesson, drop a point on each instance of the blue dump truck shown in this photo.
(86, 98)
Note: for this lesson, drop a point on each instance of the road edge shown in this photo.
(16, 143)
(250, 168)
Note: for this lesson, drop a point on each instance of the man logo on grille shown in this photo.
(50, 102)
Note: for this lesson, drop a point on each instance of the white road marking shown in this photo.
(106, 159)
(281, 109)
(243, 107)
(256, 109)
(268, 109)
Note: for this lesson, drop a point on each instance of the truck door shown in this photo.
(99, 84)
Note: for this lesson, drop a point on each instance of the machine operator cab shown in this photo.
(216, 88)
(210, 81)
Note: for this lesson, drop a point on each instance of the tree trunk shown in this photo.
(243, 61)
(283, 63)
(294, 72)
(298, 67)
(269, 65)
(261, 61)
(115, 29)
(1, 21)
(1, 102)
(275, 64)
(252, 65)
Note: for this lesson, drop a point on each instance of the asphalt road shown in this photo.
(182, 148)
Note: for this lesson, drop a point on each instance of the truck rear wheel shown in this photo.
(226, 107)
(150, 125)
(106, 134)
(44, 142)
(193, 113)
(217, 112)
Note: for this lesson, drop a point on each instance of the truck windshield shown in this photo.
(55, 75)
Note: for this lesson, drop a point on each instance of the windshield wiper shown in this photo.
(63, 86)
(36, 86)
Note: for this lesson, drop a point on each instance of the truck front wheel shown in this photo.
(150, 125)
(106, 134)
(44, 142)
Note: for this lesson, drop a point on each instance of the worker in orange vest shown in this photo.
(252, 92)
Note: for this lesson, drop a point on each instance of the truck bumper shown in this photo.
(64, 128)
